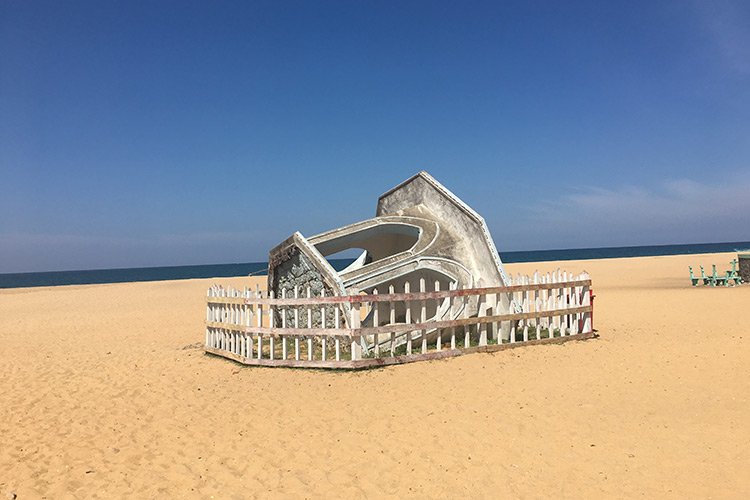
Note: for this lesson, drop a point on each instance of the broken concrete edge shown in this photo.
(404, 220)
(397, 260)
(297, 240)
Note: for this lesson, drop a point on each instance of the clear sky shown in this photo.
(169, 133)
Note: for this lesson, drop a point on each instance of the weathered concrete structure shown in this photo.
(743, 256)
(422, 233)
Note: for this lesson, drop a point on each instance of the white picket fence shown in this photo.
(359, 331)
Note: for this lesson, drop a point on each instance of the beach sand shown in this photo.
(105, 392)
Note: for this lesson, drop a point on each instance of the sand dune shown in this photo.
(105, 393)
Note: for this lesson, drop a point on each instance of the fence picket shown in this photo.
(439, 340)
(376, 322)
(392, 319)
(423, 314)
(323, 325)
(467, 328)
(587, 328)
(482, 327)
(296, 324)
(454, 286)
(407, 303)
(337, 340)
(309, 325)
(355, 341)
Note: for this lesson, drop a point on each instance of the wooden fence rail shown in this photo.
(304, 329)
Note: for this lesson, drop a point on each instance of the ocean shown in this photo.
(19, 280)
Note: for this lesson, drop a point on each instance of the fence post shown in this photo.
(452, 286)
(282, 311)
(467, 327)
(495, 326)
(354, 324)
(587, 316)
(309, 325)
(576, 302)
(323, 324)
(392, 319)
(376, 323)
(423, 314)
(208, 318)
(482, 311)
(439, 341)
(565, 318)
(407, 305)
(296, 324)
(525, 306)
(336, 325)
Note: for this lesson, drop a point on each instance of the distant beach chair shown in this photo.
(694, 280)
(706, 279)
(716, 279)
(733, 274)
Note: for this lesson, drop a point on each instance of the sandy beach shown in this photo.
(106, 393)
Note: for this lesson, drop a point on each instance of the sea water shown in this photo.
(86, 277)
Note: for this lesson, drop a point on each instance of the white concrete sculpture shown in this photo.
(422, 233)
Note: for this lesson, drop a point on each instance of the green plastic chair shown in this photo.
(733, 274)
(716, 279)
(693, 279)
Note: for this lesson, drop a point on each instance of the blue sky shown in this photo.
(169, 133)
